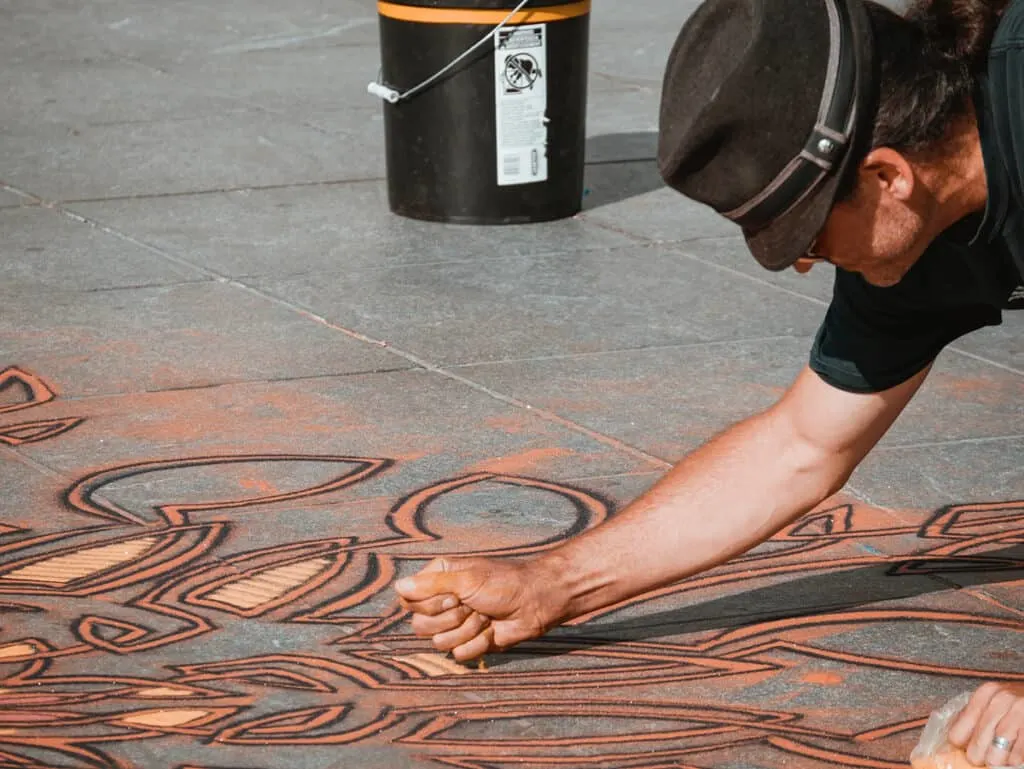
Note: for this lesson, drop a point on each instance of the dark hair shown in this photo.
(927, 64)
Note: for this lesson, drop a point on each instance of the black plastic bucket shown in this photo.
(500, 139)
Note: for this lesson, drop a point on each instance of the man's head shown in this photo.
(819, 126)
(885, 223)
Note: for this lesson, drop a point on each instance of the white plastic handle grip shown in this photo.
(389, 95)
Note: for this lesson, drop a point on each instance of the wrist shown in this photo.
(570, 588)
(551, 574)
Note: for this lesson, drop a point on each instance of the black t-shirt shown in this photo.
(875, 338)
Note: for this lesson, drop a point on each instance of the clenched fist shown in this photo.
(476, 605)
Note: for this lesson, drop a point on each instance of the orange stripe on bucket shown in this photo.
(425, 15)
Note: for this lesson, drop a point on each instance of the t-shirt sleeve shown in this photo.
(873, 339)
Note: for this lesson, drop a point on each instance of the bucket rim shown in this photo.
(480, 5)
(411, 11)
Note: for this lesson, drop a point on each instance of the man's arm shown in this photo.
(729, 496)
(725, 498)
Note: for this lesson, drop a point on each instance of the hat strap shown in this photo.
(829, 140)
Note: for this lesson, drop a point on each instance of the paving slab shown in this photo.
(667, 400)
(41, 31)
(940, 474)
(83, 92)
(620, 166)
(407, 416)
(731, 254)
(292, 79)
(999, 344)
(168, 157)
(26, 485)
(662, 216)
(169, 337)
(608, 19)
(325, 230)
(962, 400)
(10, 199)
(45, 249)
(167, 35)
(634, 48)
(670, 400)
(566, 303)
(349, 127)
(615, 107)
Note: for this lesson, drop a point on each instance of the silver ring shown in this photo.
(1002, 743)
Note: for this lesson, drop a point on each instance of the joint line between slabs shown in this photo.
(440, 370)
(548, 415)
(952, 442)
(981, 595)
(821, 303)
(981, 359)
(542, 413)
(862, 496)
(210, 274)
(232, 383)
(222, 190)
(46, 470)
(630, 350)
(35, 199)
(751, 278)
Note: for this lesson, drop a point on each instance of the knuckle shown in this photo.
(989, 689)
(416, 609)
(1003, 699)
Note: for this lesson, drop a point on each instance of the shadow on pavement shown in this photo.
(817, 595)
(619, 167)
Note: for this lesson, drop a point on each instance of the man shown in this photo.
(826, 129)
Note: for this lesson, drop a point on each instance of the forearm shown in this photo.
(722, 500)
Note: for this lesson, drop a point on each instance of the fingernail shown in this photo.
(449, 603)
(404, 585)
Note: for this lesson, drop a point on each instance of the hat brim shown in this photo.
(790, 236)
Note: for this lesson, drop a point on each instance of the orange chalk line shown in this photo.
(484, 17)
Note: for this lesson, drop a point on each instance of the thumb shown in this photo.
(434, 580)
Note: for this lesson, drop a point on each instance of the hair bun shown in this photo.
(958, 31)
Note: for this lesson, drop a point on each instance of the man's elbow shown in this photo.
(814, 469)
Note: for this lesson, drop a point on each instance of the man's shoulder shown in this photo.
(1010, 32)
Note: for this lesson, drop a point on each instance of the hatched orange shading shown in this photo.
(269, 586)
(64, 569)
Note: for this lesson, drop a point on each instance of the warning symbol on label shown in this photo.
(521, 72)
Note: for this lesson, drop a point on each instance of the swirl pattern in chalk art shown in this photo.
(235, 628)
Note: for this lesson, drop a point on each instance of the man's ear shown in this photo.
(890, 172)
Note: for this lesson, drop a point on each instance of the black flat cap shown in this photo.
(761, 105)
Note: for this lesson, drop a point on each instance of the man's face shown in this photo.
(878, 232)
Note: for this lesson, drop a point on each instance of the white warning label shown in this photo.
(520, 64)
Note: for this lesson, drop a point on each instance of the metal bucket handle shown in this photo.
(393, 96)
